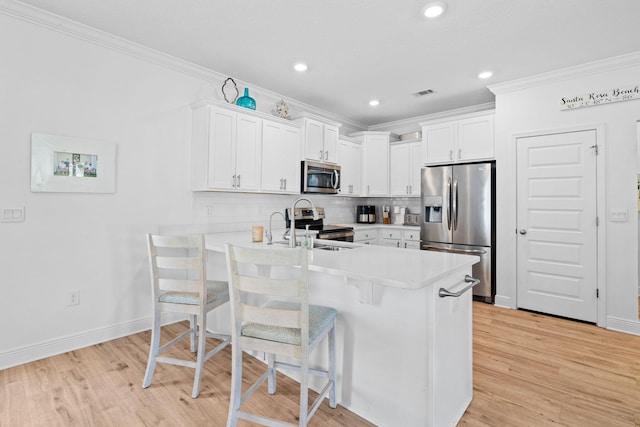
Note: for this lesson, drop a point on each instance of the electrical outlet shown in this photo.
(73, 297)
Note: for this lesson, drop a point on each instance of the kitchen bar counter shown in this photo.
(404, 353)
(376, 264)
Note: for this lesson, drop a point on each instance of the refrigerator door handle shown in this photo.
(454, 251)
(455, 205)
(449, 204)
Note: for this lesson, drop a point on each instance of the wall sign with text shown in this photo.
(625, 93)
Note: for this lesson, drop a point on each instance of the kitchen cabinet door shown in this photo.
(225, 150)
(405, 162)
(320, 139)
(463, 140)
(221, 149)
(399, 173)
(350, 154)
(280, 158)
(375, 164)
(330, 143)
(248, 156)
(415, 168)
(314, 140)
(438, 143)
(475, 139)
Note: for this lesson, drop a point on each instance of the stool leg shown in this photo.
(271, 360)
(202, 350)
(153, 348)
(193, 324)
(236, 385)
(304, 391)
(332, 365)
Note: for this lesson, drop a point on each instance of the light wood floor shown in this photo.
(529, 370)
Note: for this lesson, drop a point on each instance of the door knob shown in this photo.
(523, 231)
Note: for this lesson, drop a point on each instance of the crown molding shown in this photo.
(213, 78)
(414, 122)
(590, 68)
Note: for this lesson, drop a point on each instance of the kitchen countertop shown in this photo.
(394, 267)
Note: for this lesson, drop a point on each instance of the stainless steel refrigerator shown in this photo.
(458, 203)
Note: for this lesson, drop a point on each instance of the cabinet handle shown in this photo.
(459, 153)
(321, 155)
(238, 186)
(233, 184)
(285, 183)
(405, 245)
(326, 157)
(368, 192)
(410, 189)
(398, 244)
(281, 184)
(450, 154)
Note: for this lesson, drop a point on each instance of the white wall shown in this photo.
(56, 83)
(534, 106)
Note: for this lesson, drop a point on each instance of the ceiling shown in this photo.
(358, 50)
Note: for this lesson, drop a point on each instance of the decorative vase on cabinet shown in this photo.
(246, 101)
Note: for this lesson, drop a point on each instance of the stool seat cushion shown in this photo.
(215, 290)
(320, 318)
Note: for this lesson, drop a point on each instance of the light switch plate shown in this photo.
(12, 214)
(619, 216)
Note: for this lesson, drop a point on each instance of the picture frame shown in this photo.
(63, 164)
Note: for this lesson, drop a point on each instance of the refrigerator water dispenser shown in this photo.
(433, 208)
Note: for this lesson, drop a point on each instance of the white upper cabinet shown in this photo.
(320, 139)
(226, 149)
(461, 140)
(405, 162)
(375, 163)
(350, 155)
(280, 158)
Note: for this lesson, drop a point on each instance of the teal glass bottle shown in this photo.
(246, 101)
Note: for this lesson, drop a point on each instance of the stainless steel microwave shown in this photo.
(317, 177)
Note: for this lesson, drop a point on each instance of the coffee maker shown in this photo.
(366, 214)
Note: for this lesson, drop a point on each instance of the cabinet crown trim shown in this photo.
(306, 115)
(458, 117)
(242, 110)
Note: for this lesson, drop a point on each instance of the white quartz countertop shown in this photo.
(395, 267)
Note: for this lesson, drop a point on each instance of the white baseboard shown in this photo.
(61, 345)
(623, 325)
(504, 302)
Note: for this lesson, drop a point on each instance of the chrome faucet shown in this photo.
(269, 234)
(292, 224)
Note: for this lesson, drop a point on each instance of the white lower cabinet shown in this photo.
(367, 236)
(400, 238)
(411, 239)
(392, 238)
(280, 154)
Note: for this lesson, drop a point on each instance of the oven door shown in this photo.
(319, 177)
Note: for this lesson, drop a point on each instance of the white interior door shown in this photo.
(557, 224)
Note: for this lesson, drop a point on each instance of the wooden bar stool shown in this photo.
(179, 285)
(285, 325)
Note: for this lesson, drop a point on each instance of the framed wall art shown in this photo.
(63, 164)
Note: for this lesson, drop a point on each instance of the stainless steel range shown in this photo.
(304, 217)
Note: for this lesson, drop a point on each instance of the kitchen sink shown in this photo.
(322, 245)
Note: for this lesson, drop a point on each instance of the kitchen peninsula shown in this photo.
(404, 353)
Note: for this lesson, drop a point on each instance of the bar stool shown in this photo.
(286, 325)
(179, 285)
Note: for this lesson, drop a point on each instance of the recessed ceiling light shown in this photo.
(434, 9)
(485, 74)
(300, 66)
(374, 102)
